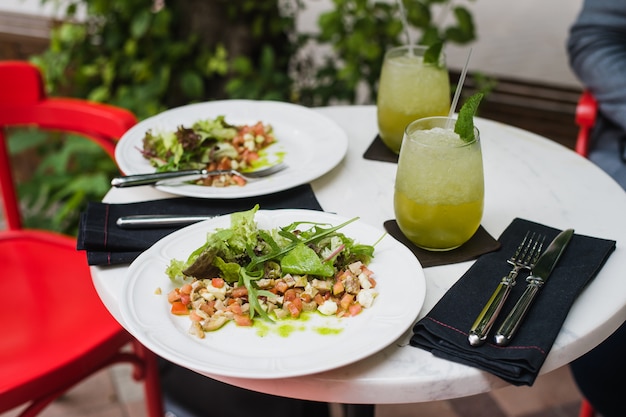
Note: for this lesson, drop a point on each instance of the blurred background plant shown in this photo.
(151, 55)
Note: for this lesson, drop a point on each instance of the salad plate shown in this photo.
(309, 143)
(283, 348)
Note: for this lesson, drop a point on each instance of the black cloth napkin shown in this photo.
(479, 244)
(107, 244)
(378, 151)
(445, 328)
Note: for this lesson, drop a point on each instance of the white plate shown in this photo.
(310, 143)
(282, 349)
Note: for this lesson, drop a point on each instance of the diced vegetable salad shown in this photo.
(243, 272)
(213, 144)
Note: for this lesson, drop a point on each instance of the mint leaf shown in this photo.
(464, 125)
(431, 56)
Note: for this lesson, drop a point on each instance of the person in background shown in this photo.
(597, 51)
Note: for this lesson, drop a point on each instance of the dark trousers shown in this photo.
(601, 375)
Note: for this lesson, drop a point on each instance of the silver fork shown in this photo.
(190, 175)
(524, 258)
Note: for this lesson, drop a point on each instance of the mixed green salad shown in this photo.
(243, 271)
(212, 144)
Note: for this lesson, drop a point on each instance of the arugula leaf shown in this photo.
(464, 125)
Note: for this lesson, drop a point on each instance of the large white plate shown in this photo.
(282, 349)
(310, 143)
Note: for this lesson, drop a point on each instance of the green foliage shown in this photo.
(360, 31)
(68, 172)
(151, 55)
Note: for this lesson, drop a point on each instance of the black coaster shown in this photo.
(481, 243)
(378, 151)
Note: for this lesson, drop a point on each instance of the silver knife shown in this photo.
(144, 221)
(539, 275)
(156, 177)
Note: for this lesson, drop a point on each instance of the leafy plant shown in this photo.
(151, 55)
(68, 171)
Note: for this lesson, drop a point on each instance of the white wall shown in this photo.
(521, 39)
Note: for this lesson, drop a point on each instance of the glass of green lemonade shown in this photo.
(409, 89)
(439, 189)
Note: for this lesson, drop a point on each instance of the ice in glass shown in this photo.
(409, 90)
(439, 188)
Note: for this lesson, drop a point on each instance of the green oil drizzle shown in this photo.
(287, 327)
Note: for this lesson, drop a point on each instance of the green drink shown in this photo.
(439, 190)
(409, 90)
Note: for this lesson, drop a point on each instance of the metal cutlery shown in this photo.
(524, 258)
(155, 221)
(539, 275)
(189, 175)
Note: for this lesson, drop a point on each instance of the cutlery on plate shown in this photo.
(152, 221)
(538, 277)
(524, 258)
(190, 175)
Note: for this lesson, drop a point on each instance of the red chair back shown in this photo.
(23, 102)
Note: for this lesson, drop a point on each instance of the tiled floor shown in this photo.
(113, 393)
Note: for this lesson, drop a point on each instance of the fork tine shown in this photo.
(532, 250)
(263, 172)
(537, 249)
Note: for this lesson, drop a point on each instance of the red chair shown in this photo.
(586, 112)
(56, 331)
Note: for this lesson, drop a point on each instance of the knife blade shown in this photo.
(155, 221)
(538, 277)
(153, 178)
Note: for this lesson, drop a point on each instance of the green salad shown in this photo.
(212, 144)
(242, 272)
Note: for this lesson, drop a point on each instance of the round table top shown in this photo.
(526, 176)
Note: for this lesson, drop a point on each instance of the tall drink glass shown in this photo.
(409, 90)
(439, 189)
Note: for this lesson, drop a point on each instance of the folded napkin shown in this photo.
(378, 151)
(479, 244)
(107, 244)
(445, 328)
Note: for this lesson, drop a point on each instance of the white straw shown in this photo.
(405, 23)
(459, 86)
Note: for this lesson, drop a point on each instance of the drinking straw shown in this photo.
(405, 23)
(457, 93)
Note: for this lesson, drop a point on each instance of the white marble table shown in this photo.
(526, 176)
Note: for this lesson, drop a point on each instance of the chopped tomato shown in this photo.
(281, 287)
(239, 180)
(239, 292)
(179, 308)
(346, 301)
(173, 295)
(193, 316)
(338, 288)
(235, 308)
(295, 307)
(185, 298)
(355, 309)
(242, 320)
(290, 295)
(217, 282)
